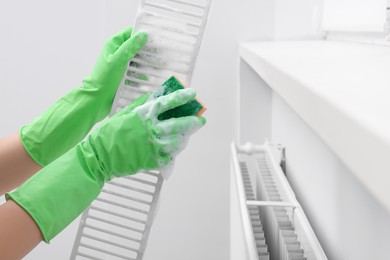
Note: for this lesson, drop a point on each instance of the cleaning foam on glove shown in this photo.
(191, 108)
(194, 107)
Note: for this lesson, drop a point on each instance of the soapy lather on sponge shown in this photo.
(194, 107)
(191, 108)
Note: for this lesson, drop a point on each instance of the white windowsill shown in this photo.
(342, 91)
(375, 38)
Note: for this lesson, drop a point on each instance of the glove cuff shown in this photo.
(62, 126)
(57, 194)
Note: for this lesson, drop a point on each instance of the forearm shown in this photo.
(16, 166)
(19, 233)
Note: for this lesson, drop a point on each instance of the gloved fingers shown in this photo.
(179, 125)
(170, 144)
(119, 38)
(129, 48)
(164, 159)
(172, 100)
(137, 102)
(114, 42)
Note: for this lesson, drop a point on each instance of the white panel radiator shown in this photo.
(267, 222)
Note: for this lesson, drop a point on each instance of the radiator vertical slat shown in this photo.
(280, 229)
(258, 233)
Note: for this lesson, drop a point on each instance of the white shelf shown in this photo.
(342, 91)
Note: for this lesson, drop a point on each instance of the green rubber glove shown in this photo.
(130, 141)
(68, 120)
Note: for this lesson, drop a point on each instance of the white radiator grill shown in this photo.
(272, 221)
(118, 223)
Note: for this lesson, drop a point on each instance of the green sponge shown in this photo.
(194, 107)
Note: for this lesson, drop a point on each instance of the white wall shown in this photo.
(297, 19)
(46, 48)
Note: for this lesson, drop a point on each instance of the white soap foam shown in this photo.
(149, 111)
